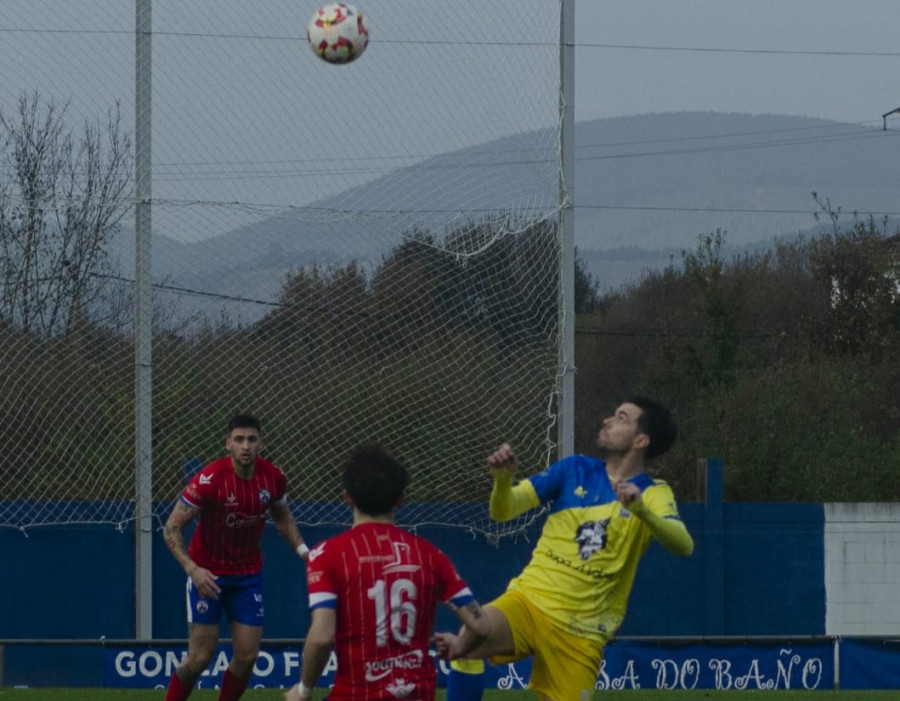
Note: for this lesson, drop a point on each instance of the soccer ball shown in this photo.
(337, 33)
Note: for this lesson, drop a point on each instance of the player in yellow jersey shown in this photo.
(571, 597)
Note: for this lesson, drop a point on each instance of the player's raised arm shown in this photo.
(660, 516)
(504, 458)
(508, 500)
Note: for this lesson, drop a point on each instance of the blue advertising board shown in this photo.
(750, 666)
(628, 665)
(869, 663)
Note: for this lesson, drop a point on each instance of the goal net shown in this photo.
(367, 252)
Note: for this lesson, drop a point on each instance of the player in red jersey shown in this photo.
(373, 593)
(223, 562)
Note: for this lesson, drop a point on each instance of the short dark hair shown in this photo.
(244, 421)
(658, 423)
(374, 479)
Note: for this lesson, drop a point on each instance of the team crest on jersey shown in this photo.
(264, 496)
(591, 537)
(401, 688)
(202, 606)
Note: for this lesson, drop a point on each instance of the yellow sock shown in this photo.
(468, 666)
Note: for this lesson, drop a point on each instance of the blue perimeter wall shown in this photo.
(757, 569)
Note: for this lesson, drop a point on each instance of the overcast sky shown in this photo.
(835, 59)
(242, 111)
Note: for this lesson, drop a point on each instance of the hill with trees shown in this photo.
(784, 362)
(781, 359)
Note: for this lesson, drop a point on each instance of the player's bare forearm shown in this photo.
(175, 542)
(173, 534)
(289, 531)
(469, 640)
(315, 657)
(287, 526)
(474, 631)
(453, 647)
(318, 646)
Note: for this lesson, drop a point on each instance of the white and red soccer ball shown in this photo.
(337, 33)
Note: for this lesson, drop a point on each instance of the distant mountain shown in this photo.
(645, 188)
(655, 182)
(658, 181)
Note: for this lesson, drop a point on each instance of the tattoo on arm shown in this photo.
(173, 530)
(474, 608)
(173, 536)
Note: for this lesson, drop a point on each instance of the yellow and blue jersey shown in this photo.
(583, 566)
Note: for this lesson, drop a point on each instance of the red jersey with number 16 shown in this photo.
(232, 515)
(384, 584)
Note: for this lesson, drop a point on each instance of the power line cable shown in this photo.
(519, 151)
(491, 43)
(721, 50)
(726, 210)
(203, 175)
(852, 136)
(728, 135)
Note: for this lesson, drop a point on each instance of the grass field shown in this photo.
(8, 694)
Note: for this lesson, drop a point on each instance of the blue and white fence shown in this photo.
(818, 582)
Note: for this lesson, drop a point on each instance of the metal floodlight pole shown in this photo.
(566, 347)
(143, 330)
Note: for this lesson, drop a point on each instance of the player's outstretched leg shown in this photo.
(466, 680)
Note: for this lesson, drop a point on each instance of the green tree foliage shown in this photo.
(412, 347)
(62, 405)
(66, 376)
(783, 362)
(587, 295)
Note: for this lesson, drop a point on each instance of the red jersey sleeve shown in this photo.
(280, 487)
(201, 488)
(320, 582)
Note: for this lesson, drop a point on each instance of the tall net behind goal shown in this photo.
(367, 252)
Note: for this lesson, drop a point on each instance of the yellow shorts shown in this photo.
(564, 666)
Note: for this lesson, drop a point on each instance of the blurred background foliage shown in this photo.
(784, 362)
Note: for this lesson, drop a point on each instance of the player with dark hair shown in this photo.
(223, 562)
(373, 594)
(570, 599)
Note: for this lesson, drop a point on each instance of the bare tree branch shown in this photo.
(61, 201)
